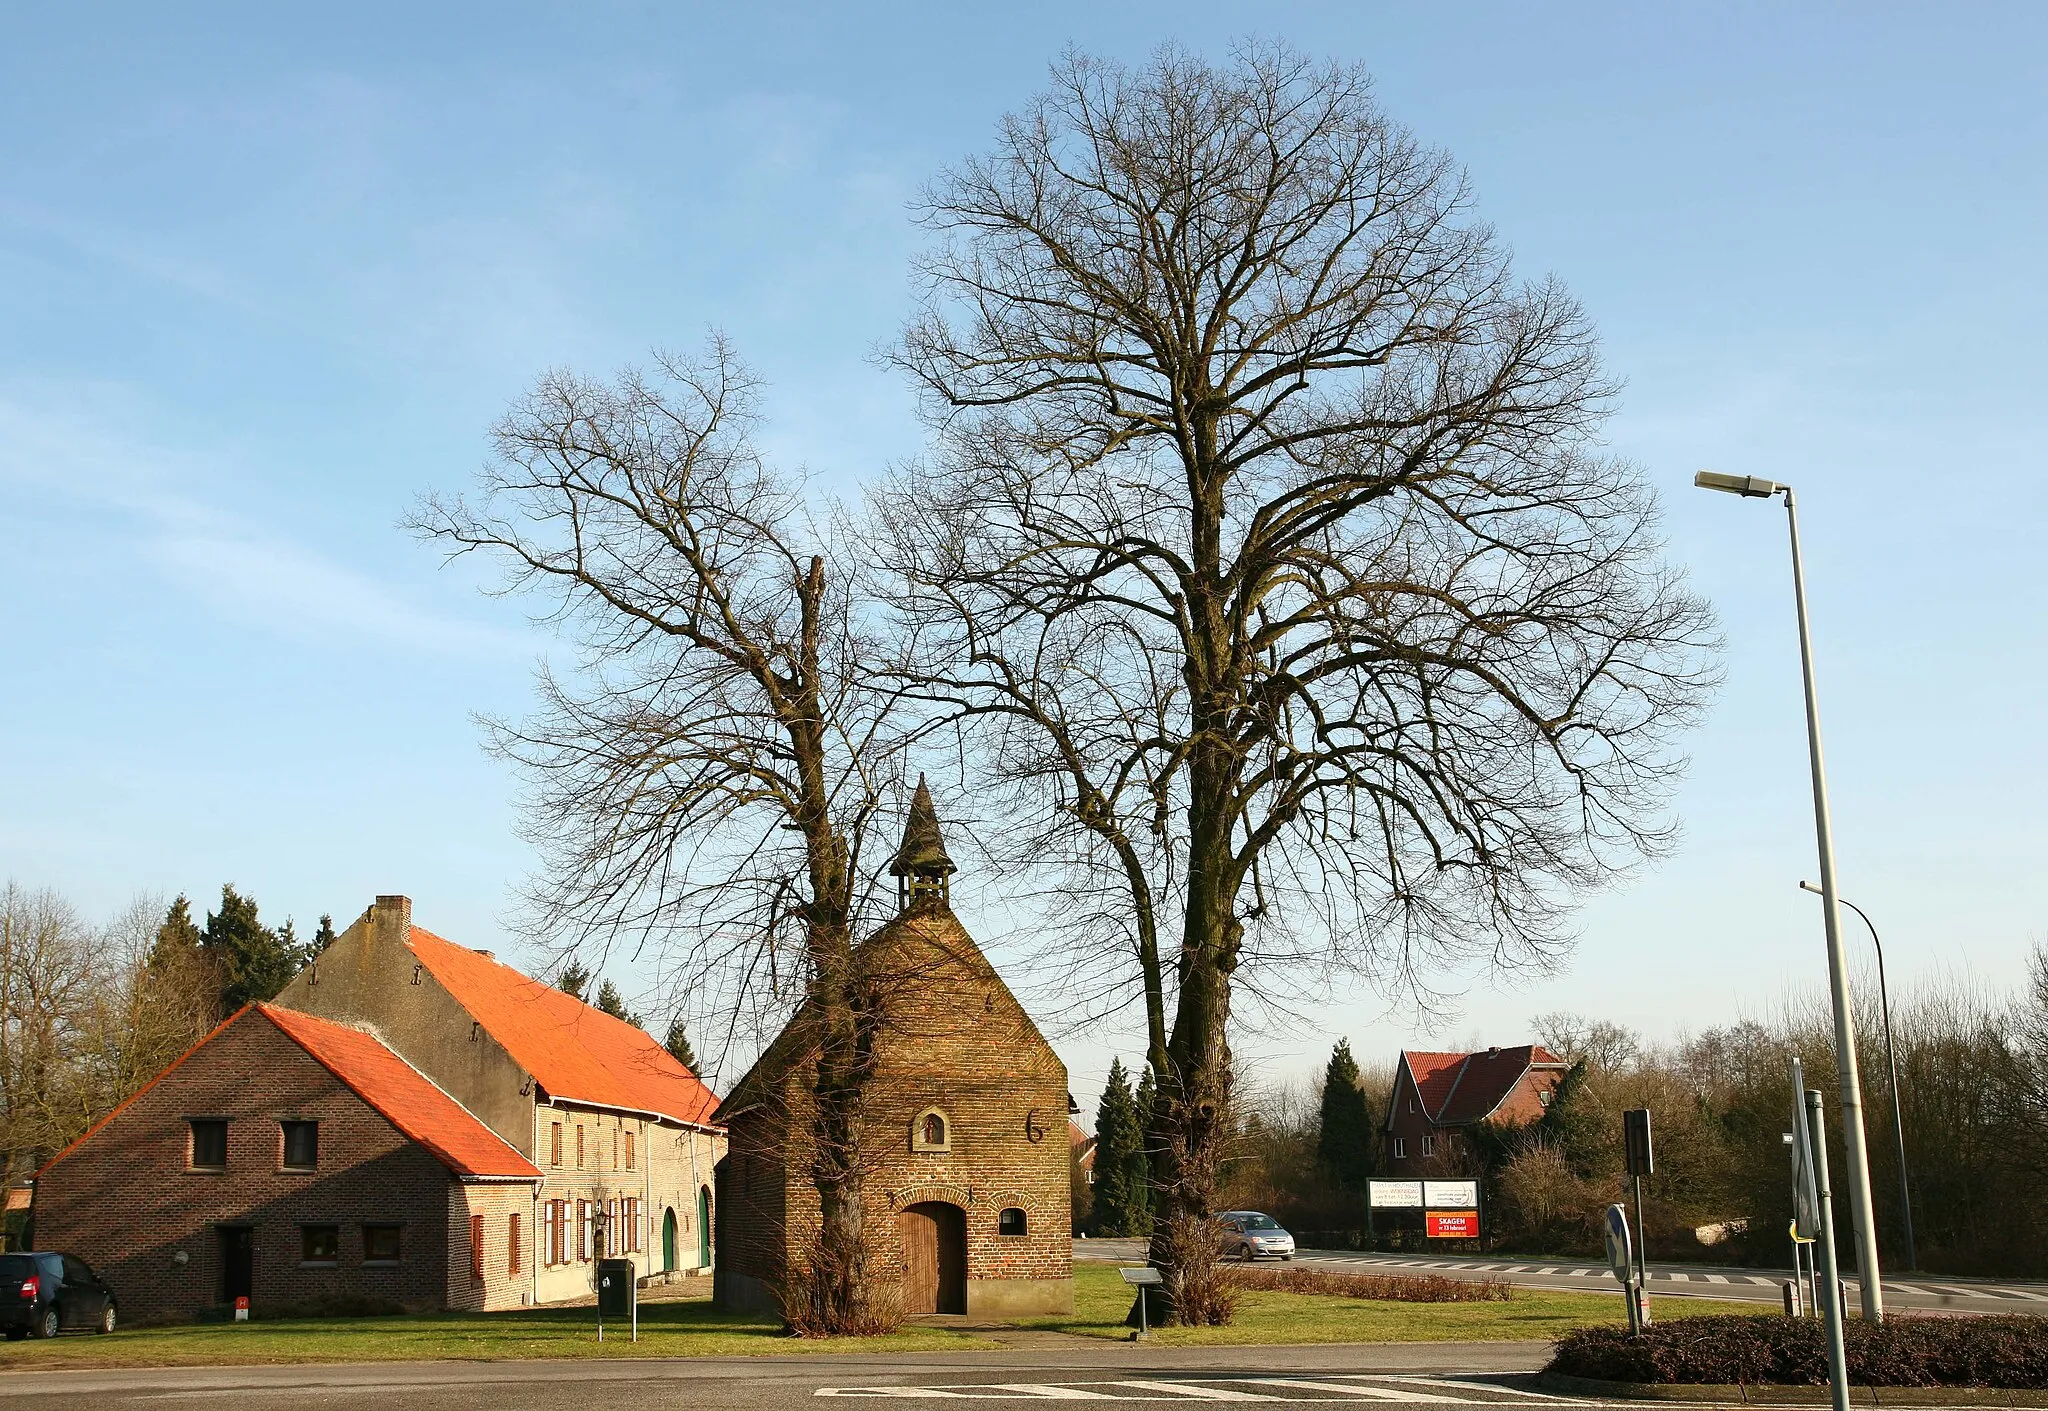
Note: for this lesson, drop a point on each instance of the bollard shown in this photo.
(1791, 1293)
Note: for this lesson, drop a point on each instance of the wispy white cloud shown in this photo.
(56, 455)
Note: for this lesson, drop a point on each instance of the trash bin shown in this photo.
(616, 1280)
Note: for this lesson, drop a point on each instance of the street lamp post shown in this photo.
(1867, 1269)
(1891, 1058)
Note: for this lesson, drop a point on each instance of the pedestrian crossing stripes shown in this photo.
(1598, 1273)
(1319, 1387)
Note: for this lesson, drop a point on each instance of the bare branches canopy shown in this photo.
(1268, 525)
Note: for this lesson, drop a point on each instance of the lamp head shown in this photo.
(1746, 485)
(1809, 887)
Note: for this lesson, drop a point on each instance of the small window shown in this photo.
(555, 1145)
(1411, 1104)
(1010, 1222)
(209, 1144)
(1428, 1145)
(320, 1244)
(512, 1246)
(1544, 1097)
(476, 1249)
(301, 1145)
(629, 1151)
(931, 1131)
(579, 1146)
(380, 1244)
(1400, 1148)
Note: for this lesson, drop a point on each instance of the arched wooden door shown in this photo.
(668, 1239)
(703, 1227)
(934, 1236)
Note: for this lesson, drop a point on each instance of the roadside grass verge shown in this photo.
(671, 1328)
(1101, 1299)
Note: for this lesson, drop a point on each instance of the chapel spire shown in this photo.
(921, 867)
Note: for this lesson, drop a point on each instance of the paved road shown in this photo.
(1425, 1376)
(1666, 1280)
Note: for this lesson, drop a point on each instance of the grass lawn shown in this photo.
(693, 1328)
(683, 1328)
(1101, 1299)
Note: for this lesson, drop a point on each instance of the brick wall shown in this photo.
(490, 1208)
(126, 1200)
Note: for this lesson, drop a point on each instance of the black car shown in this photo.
(41, 1294)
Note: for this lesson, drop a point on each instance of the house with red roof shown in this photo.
(622, 1134)
(294, 1162)
(1436, 1096)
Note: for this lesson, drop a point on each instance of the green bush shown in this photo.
(2009, 1351)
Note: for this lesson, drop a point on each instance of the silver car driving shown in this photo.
(1249, 1235)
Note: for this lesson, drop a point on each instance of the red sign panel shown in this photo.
(1452, 1224)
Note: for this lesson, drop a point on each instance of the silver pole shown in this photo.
(1831, 1296)
(1869, 1274)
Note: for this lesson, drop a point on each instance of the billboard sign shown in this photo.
(1394, 1195)
(1451, 1224)
(1451, 1195)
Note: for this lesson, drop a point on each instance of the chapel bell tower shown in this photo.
(921, 868)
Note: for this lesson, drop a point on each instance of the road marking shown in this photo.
(1052, 1391)
(1355, 1389)
(1191, 1391)
(887, 1391)
(1490, 1386)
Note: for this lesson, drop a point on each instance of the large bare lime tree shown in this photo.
(706, 776)
(1266, 527)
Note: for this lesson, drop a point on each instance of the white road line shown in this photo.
(888, 1391)
(1717, 1278)
(1191, 1391)
(1489, 1386)
(2022, 1293)
(1357, 1389)
(1051, 1391)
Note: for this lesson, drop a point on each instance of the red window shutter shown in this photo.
(476, 1249)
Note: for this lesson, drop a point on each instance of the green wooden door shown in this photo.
(668, 1239)
(704, 1227)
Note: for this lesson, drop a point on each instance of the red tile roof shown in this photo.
(579, 1054)
(403, 1095)
(379, 1077)
(1457, 1088)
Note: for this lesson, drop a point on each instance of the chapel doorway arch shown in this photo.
(934, 1236)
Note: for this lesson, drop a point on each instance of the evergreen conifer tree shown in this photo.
(613, 1003)
(1345, 1148)
(678, 1044)
(323, 937)
(253, 961)
(1139, 1165)
(573, 980)
(177, 940)
(1121, 1193)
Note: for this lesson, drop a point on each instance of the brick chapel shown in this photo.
(967, 1190)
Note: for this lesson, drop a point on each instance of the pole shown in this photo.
(1831, 1294)
(1891, 1057)
(1869, 1274)
(1642, 1255)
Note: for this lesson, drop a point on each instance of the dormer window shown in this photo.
(931, 1131)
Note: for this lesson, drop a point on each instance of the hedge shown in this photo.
(2009, 1351)
(1397, 1288)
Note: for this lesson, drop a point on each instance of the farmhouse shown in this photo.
(966, 1187)
(290, 1160)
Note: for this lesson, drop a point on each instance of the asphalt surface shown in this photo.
(1423, 1375)
(1666, 1280)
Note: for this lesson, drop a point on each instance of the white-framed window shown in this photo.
(1400, 1148)
(1543, 1097)
(1428, 1145)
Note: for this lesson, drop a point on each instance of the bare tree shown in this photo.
(708, 776)
(1266, 527)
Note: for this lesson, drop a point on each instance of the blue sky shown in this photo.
(265, 275)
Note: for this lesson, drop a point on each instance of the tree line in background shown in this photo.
(1973, 1089)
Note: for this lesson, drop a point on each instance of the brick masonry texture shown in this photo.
(127, 1201)
(954, 1039)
